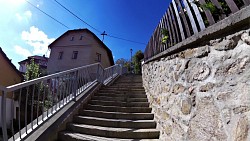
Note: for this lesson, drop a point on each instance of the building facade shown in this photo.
(9, 75)
(77, 48)
(42, 61)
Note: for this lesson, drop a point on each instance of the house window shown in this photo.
(81, 37)
(74, 55)
(98, 57)
(60, 55)
(72, 38)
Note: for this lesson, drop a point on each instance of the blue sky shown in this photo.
(25, 31)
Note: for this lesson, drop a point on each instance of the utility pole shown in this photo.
(103, 34)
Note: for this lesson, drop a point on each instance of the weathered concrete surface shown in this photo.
(203, 93)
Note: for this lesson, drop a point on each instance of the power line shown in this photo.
(80, 20)
(96, 28)
(126, 40)
(46, 14)
(77, 16)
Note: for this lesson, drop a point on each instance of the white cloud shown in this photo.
(22, 51)
(24, 16)
(19, 17)
(28, 14)
(38, 40)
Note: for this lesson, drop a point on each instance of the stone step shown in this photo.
(118, 123)
(121, 99)
(122, 95)
(122, 104)
(124, 133)
(119, 109)
(132, 83)
(71, 136)
(120, 86)
(117, 115)
(123, 92)
(124, 89)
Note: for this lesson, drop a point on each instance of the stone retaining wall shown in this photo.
(202, 94)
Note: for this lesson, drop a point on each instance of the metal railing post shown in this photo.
(75, 85)
(3, 118)
(112, 72)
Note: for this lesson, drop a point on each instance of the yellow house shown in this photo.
(9, 75)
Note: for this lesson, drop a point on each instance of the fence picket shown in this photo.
(179, 20)
(207, 13)
(190, 15)
(231, 4)
(198, 15)
(217, 4)
(183, 18)
(175, 26)
(171, 26)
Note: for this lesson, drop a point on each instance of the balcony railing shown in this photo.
(39, 99)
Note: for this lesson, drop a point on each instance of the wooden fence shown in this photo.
(184, 18)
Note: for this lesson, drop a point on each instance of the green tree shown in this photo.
(33, 71)
(137, 61)
(123, 63)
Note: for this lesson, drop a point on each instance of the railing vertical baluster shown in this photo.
(231, 4)
(3, 114)
(56, 95)
(60, 92)
(67, 88)
(190, 16)
(26, 109)
(168, 16)
(52, 92)
(63, 89)
(184, 18)
(75, 85)
(48, 97)
(19, 112)
(179, 20)
(32, 102)
(38, 102)
(44, 93)
(12, 116)
(208, 13)
(174, 23)
(198, 15)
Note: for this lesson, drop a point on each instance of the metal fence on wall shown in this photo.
(185, 18)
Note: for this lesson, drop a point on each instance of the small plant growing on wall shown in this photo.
(213, 9)
(165, 35)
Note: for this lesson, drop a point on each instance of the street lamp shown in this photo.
(131, 50)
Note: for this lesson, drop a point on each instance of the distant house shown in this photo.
(42, 61)
(9, 75)
(77, 48)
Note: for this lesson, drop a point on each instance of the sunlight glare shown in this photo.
(13, 2)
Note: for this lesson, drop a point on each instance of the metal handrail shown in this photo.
(42, 97)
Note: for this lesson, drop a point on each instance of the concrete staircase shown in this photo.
(116, 112)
